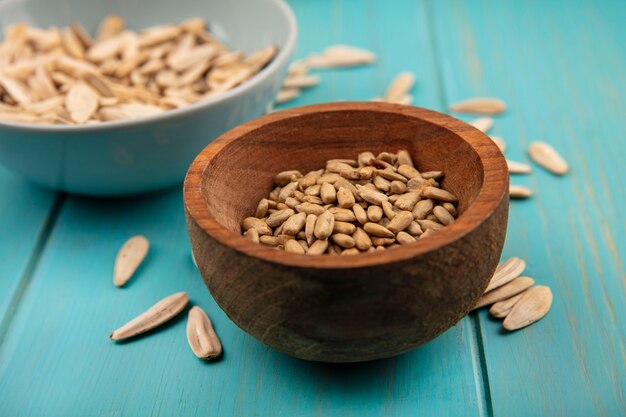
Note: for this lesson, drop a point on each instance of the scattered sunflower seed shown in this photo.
(128, 259)
(400, 86)
(201, 336)
(502, 308)
(484, 124)
(519, 191)
(508, 290)
(532, 306)
(156, 315)
(287, 94)
(481, 105)
(518, 167)
(500, 143)
(301, 81)
(506, 272)
(547, 157)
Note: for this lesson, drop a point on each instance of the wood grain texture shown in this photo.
(356, 308)
(24, 213)
(561, 70)
(58, 361)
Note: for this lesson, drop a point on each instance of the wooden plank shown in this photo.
(561, 68)
(24, 213)
(57, 359)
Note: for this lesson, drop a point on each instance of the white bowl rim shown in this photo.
(283, 54)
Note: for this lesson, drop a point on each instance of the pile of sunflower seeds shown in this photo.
(352, 206)
(513, 298)
(64, 75)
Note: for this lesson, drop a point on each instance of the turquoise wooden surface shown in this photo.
(26, 215)
(561, 69)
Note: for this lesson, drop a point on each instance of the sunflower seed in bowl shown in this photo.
(352, 206)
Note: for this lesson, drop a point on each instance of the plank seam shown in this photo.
(31, 266)
(441, 90)
(479, 358)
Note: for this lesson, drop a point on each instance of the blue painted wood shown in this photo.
(58, 361)
(24, 211)
(560, 66)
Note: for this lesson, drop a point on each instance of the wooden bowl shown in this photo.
(346, 308)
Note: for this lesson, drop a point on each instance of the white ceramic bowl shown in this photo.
(130, 157)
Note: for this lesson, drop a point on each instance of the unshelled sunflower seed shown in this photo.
(546, 156)
(484, 124)
(400, 86)
(514, 287)
(340, 56)
(532, 306)
(128, 259)
(519, 191)
(500, 143)
(287, 94)
(502, 308)
(202, 338)
(301, 81)
(81, 102)
(121, 74)
(480, 105)
(518, 167)
(159, 313)
(110, 26)
(506, 272)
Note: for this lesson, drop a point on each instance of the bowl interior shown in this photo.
(242, 173)
(247, 25)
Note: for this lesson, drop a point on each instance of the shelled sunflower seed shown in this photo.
(515, 299)
(352, 206)
(335, 56)
(63, 75)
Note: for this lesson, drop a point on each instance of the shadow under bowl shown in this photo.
(346, 308)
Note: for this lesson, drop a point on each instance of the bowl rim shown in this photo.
(495, 174)
(283, 55)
